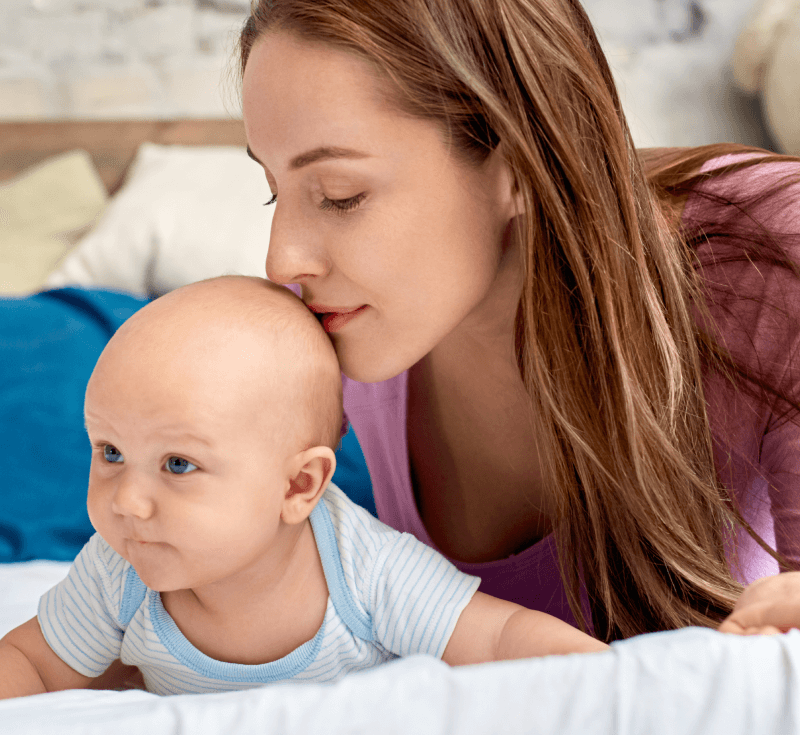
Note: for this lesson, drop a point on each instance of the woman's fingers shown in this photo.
(771, 603)
(731, 626)
(777, 616)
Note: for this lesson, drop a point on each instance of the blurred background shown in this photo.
(682, 78)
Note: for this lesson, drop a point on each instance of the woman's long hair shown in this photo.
(605, 340)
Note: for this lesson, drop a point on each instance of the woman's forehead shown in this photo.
(300, 96)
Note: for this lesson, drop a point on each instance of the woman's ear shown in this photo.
(312, 471)
(507, 189)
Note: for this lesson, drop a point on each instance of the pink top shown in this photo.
(765, 468)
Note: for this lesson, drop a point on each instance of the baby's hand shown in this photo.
(768, 606)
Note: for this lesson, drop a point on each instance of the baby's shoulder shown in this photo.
(102, 559)
(352, 523)
(351, 542)
(113, 574)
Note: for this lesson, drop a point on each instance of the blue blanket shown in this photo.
(49, 343)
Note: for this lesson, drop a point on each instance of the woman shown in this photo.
(538, 371)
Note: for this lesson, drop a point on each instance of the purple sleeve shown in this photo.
(781, 458)
(780, 448)
(779, 213)
(761, 319)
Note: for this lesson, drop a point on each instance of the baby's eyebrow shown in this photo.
(180, 436)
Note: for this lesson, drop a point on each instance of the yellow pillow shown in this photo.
(43, 213)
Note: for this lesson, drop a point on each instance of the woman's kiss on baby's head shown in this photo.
(213, 414)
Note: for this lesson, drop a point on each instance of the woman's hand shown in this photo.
(767, 606)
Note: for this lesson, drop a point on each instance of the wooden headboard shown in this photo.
(111, 144)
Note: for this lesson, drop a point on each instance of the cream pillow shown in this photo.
(766, 63)
(43, 212)
(185, 213)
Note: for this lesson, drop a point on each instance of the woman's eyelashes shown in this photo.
(339, 206)
(342, 206)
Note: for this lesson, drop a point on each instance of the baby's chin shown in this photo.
(153, 562)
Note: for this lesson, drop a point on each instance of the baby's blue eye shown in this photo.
(111, 454)
(179, 466)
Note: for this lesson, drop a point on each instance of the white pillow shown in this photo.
(185, 213)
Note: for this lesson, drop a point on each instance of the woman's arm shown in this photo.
(29, 666)
(490, 629)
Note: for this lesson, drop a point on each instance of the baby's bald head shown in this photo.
(251, 343)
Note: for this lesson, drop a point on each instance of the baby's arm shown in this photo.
(29, 666)
(490, 629)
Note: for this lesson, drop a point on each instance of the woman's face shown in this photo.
(373, 210)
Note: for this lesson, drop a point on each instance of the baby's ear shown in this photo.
(316, 467)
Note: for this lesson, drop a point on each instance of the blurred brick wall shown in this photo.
(106, 59)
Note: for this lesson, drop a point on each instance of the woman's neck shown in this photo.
(487, 332)
(477, 471)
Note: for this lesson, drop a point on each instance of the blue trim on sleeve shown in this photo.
(341, 596)
(176, 643)
(132, 596)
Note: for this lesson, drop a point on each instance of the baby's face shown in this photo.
(188, 470)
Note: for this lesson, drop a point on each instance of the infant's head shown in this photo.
(213, 413)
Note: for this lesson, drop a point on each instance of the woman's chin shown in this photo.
(370, 366)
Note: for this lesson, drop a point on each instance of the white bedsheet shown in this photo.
(677, 683)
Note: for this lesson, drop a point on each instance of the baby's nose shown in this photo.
(132, 498)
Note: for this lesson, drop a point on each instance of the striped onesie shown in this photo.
(389, 595)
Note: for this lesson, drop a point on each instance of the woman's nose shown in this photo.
(293, 253)
(132, 497)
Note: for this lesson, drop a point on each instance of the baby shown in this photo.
(224, 557)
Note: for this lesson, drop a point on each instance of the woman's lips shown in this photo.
(334, 321)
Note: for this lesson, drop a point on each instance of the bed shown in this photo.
(96, 219)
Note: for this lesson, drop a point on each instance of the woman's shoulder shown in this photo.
(750, 187)
(715, 184)
(746, 214)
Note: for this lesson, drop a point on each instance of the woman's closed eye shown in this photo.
(338, 206)
(179, 466)
(342, 206)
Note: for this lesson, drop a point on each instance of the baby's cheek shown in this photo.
(97, 508)
(101, 515)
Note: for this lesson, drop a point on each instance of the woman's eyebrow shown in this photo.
(318, 154)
